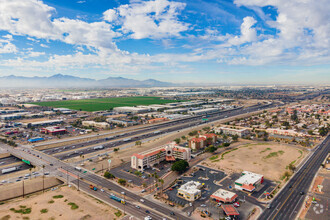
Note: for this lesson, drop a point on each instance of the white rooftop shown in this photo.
(249, 178)
(224, 194)
(191, 187)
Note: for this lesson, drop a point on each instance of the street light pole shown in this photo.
(23, 188)
(78, 181)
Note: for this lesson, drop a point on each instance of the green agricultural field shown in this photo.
(104, 103)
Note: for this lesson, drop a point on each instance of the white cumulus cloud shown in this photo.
(148, 19)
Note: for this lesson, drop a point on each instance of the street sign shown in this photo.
(26, 161)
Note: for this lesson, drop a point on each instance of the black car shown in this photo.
(172, 213)
(147, 211)
(302, 193)
(290, 186)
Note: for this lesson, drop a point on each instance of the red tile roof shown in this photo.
(230, 210)
(248, 187)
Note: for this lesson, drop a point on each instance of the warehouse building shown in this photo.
(203, 111)
(249, 181)
(176, 110)
(42, 123)
(169, 152)
(224, 196)
(232, 131)
(131, 110)
(190, 191)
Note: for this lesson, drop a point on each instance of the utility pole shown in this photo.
(67, 177)
(23, 188)
(78, 181)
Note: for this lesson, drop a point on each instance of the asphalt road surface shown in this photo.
(82, 148)
(288, 202)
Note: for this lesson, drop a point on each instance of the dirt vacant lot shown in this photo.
(269, 159)
(63, 203)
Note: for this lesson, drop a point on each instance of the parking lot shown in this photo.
(210, 178)
(126, 172)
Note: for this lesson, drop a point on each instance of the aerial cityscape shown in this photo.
(164, 109)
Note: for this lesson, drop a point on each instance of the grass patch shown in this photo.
(222, 155)
(44, 210)
(58, 196)
(267, 149)
(104, 103)
(73, 205)
(301, 153)
(214, 161)
(22, 210)
(51, 201)
(118, 213)
(214, 157)
(274, 154)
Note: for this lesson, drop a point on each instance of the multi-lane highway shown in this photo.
(73, 150)
(59, 168)
(287, 203)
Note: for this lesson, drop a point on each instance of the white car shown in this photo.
(102, 190)
(203, 205)
(141, 200)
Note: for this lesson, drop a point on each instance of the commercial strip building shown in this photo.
(224, 196)
(53, 130)
(156, 120)
(249, 181)
(232, 131)
(190, 191)
(103, 125)
(169, 152)
(121, 122)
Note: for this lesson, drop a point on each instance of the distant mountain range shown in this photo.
(67, 81)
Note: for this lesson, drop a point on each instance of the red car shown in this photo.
(170, 189)
(236, 204)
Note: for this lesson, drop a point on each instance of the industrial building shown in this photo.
(131, 110)
(249, 181)
(155, 120)
(42, 123)
(190, 191)
(203, 111)
(176, 110)
(168, 152)
(224, 196)
(232, 131)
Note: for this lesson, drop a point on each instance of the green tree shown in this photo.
(108, 175)
(235, 137)
(180, 166)
(122, 182)
(210, 148)
(310, 132)
(177, 140)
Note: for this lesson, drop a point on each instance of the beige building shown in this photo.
(103, 125)
(232, 131)
(190, 191)
(168, 152)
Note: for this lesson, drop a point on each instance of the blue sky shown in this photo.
(200, 41)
